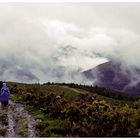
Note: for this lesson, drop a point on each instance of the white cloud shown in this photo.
(53, 45)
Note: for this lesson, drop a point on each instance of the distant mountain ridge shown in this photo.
(110, 75)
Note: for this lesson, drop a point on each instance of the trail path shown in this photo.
(16, 121)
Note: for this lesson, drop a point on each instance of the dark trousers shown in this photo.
(4, 103)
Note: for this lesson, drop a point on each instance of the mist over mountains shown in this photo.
(40, 44)
(112, 75)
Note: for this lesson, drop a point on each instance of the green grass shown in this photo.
(53, 135)
(50, 127)
(23, 127)
(54, 127)
(16, 98)
(23, 132)
(40, 116)
(67, 92)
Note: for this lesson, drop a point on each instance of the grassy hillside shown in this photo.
(69, 110)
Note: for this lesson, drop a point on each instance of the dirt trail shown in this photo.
(16, 121)
(10, 130)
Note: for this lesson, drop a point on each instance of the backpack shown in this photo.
(1, 84)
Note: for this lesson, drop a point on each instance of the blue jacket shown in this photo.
(4, 97)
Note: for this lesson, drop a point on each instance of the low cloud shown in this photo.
(40, 50)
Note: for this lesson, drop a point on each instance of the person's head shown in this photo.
(4, 84)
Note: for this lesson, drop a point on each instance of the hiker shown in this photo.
(4, 96)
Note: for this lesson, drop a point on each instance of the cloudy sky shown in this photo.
(57, 41)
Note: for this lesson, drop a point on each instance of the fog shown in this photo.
(57, 42)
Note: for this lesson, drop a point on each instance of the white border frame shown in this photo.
(67, 1)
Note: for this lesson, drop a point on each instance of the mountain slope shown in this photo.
(111, 75)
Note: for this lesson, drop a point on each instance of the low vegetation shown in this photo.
(71, 110)
(2, 132)
(3, 118)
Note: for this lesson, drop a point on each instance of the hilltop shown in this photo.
(72, 110)
(116, 76)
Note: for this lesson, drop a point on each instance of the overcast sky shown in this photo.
(53, 41)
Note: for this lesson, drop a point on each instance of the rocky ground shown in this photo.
(16, 121)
